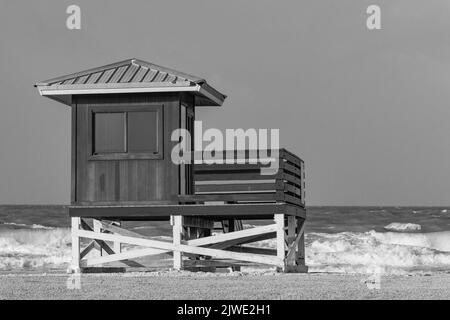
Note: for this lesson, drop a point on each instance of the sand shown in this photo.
(187, 285)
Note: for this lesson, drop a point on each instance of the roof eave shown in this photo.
(63, 93)
(214, 97)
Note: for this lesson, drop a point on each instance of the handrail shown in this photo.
(199, 156)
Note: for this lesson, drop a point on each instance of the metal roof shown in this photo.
(129, 76)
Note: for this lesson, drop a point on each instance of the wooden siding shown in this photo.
(122, 181)
(187, 102)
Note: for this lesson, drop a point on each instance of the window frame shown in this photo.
(126, 155)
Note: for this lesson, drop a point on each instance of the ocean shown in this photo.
(388, 240)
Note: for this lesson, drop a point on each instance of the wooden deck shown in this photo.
(217, 212)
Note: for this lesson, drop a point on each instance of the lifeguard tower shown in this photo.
(123, 115)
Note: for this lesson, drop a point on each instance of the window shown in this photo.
(109, 132)
(142, 132)
(128, 133)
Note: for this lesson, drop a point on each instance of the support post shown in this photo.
(75, 264)
(177, 227)
(117, 244)
(232, 228)
(97, 227)
(292, 226)
(281, 253)
(300, 257)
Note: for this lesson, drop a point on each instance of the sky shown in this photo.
(366, 110)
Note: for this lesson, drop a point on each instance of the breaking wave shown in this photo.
(376, 252)
(34, 248)
(344, 252)
(27, 226)
(396, 226)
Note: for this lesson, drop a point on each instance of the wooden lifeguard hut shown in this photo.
(123, 115)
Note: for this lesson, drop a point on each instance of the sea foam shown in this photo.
(34, 248)
(375, 252)
(27, 226)
(378, 252)
(344, 252)
(396, 226)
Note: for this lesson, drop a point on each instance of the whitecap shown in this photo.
(397, 226)
(27, 226)
(34, 248)
(375, 252)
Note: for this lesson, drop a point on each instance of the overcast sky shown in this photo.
(367, 110)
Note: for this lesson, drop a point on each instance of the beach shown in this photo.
(186, 285)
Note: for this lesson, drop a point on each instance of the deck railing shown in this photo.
(243, 181)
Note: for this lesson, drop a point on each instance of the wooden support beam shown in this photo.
(247, 249)
(293, 247)
(291, 227)
(75, 263)
(198, 222)
(260, 238)
(98, 245)
(221, 254)
(288, 255)
(101, 246)
(100, 239)
(125, 239)
(97, 226)
(191, 246)
(140, 211)
(244, 236)
(88, 249)
(104, 247)
(300, 257)
(152, 252)
(132, 254)
(224, 237)
(243, 240)
(108, 226)
(177, 228)
(117, 244)
(279, 222)
(219, 263)
(291, 240)
(85, 226)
